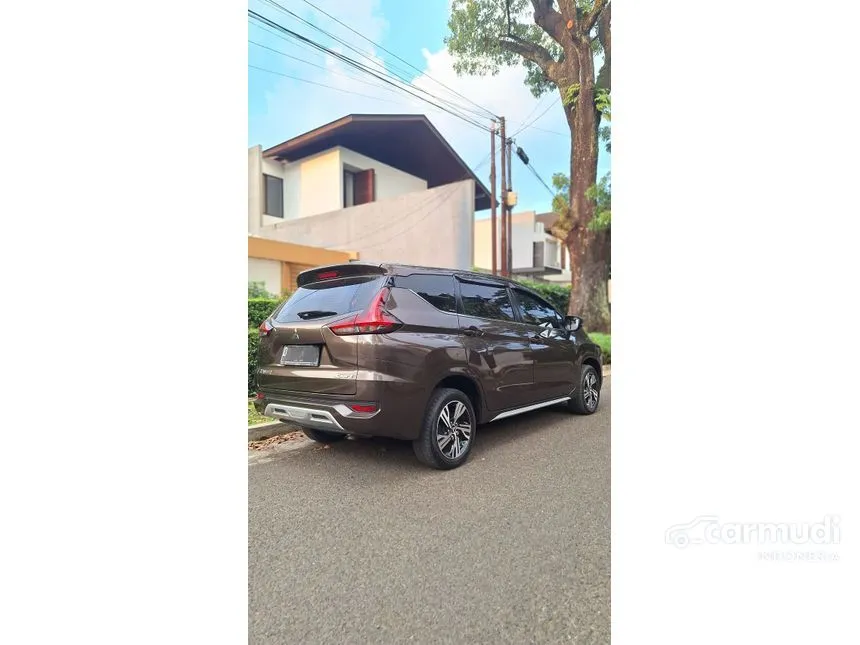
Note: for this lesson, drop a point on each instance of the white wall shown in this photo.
(267, 271)
(314, 185)
(430, 228)
(390, 182)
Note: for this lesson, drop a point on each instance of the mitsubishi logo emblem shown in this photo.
(296, 334)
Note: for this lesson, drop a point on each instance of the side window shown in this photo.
(536, 312)
(485, 301)
(438, 290)
(274, 204)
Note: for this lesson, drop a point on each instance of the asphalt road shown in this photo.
(359, 543)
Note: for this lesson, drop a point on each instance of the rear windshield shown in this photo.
(330, 298)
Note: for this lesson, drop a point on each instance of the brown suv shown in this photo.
(419, 354)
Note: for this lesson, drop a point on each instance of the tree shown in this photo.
(558, 50)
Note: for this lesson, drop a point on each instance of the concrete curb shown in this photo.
(607, 370)
(266, 430)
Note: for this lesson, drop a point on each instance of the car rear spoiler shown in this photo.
(337, 272)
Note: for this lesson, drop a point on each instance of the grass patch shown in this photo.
(255, 417)
(605, 342)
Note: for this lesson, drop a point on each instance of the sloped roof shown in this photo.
(408, 142)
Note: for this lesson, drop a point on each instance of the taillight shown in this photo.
(265, 328)
(373, 320)
(359, 407)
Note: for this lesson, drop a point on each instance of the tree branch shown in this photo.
(591, 18)
(538, 54)
(604, 35)
(550, 20)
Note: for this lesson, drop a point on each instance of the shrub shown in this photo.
(558, 295)
(259, 309)
(258, 290)
(253, 344)
(604, 340)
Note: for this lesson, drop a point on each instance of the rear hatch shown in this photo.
(298, 352)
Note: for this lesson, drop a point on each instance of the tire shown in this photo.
(431, 446)
(586, 398)
(322, 436)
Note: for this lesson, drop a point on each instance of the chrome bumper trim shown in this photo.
(307, 417)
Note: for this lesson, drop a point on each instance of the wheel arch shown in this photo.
(593, 361)
(468, 386)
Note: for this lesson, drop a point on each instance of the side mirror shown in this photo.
(572, 323)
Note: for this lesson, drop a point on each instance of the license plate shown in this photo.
(303, 355)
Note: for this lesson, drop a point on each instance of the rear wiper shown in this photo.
(315, 313)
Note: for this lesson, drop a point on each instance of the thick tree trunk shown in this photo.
(589, 251)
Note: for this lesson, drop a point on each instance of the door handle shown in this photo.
(472, 331)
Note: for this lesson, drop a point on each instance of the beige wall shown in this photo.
(278, 263)
(266, 271)
(255, 188)
(431, 227)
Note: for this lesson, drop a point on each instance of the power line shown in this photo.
(322, 67)
(527, 163)
(331, 87)
(398, 77)
(538, 177)
(357, 65)
(375, 44)
(561, 134)
(536, 107)
(536, 119)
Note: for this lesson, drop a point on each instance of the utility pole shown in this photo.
(510, 259)
(504, 193)
(493, 191)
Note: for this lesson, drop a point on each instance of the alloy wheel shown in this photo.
(590, 393)
(453, 429)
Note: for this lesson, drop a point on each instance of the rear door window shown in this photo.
(438, 290)
(330, 298)
(486, 301)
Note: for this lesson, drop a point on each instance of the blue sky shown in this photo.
(280, 108)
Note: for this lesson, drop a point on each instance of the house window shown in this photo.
(348, 188)
(359, 187)
(274, 189)
(537, 254)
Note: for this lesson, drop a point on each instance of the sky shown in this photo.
(280, 108)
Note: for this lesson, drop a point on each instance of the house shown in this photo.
(536, 253)
(276, 264)
(375, 187)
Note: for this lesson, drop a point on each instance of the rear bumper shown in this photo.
(333, 414)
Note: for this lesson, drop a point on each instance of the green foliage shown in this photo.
(601, 195)
(476, 27)
(258, 290)
(255, 417)
(259, 309)
(561, 201)
(571, 94)
(603, 102)
(253, 345)
(605, 135)
(604, 341)
(558, 295)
